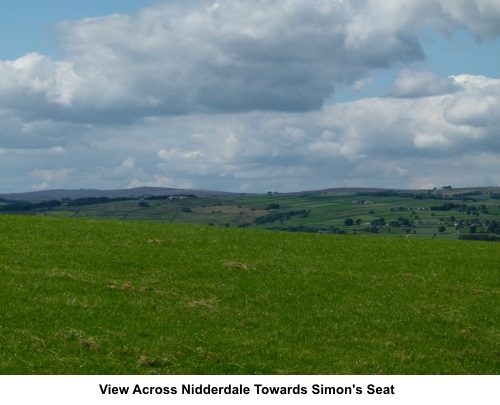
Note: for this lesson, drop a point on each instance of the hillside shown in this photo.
(112, 297)
(444, 213)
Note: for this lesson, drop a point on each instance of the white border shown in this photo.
(86, 390)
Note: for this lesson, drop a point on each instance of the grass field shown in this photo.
(82, 296)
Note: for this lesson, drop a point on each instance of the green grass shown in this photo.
(113, 297)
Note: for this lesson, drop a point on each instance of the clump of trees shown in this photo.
(468, 209)
(371, 229)
(280, 216)
(445, 207)
(378, 222)
(401, 222)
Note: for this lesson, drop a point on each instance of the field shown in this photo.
(441, 214)
(81, 296)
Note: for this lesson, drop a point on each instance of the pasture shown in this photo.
(81, 296)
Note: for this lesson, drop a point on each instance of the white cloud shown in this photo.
(479, 103)
(379, 140)
(192, 154)
(421, 84)
(478, 16)
(37, 77)
(237, 56)
(429, 140)
(388, 142)
(51, 178)
(128, 163)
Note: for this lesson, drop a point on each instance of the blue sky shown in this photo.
(249, 96)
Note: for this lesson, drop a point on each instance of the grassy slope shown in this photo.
(99, 297)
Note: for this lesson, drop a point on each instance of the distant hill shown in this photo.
(46, 195)
(59, 194)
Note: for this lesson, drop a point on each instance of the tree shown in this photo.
(493, 226)
(441, 229)
(348, 222)
(378, 222)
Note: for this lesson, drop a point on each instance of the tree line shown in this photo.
(26, 206)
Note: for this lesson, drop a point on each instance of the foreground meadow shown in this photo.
(101, 297)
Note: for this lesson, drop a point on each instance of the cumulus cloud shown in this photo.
(386, 142)
(479, 103)
(230, 56)
(378, 140)
(391, 142)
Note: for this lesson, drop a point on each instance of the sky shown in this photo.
(249, 95)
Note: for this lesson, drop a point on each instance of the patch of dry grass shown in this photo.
(123, 287)
(209, 304)
(235, 265)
